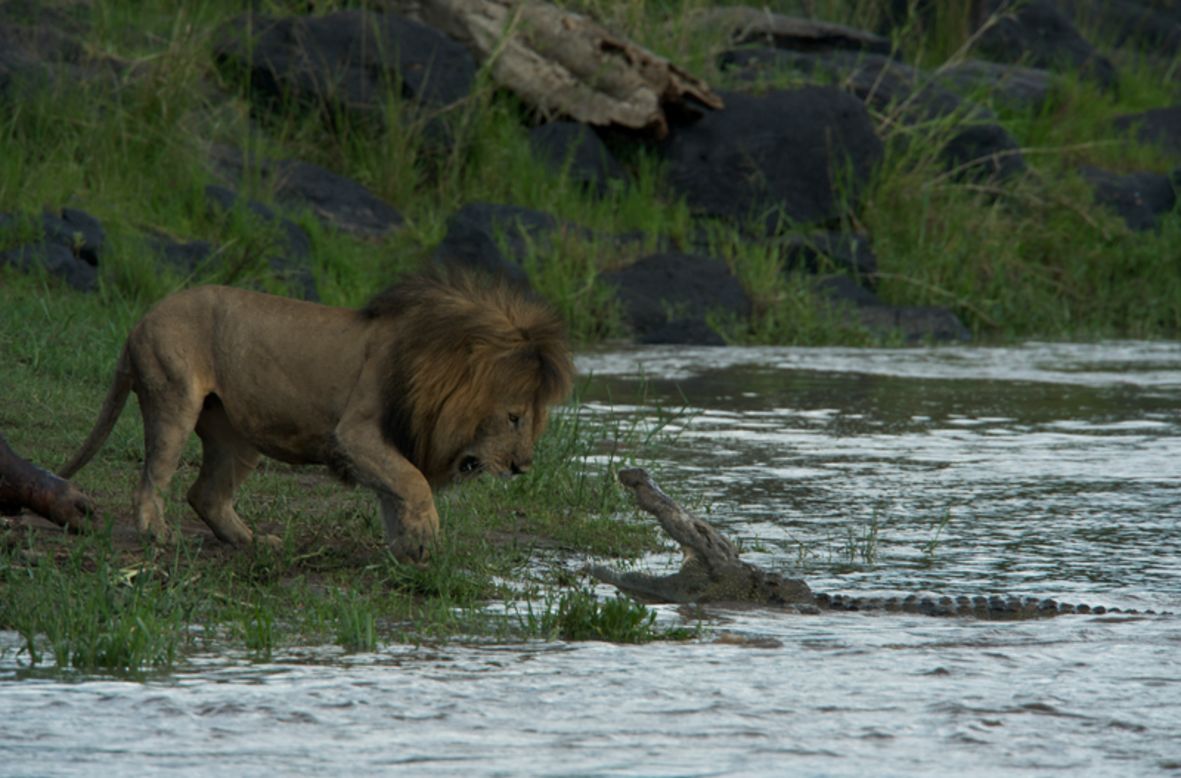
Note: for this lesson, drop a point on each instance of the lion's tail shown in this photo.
(112, 406)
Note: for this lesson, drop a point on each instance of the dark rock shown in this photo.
(349, 59)
(68, 246)
(1154, 31)
(1035, 32)
(1161, 126)
(475, 233)
(1139, 198)
(576, 145)
(76, 230)
(827, 251)
(335, 200)
(915, 324)
(289, 258)
(896, 89)
(843, 289)
(777, 153)
(56, 259)
(184, 257)
(1013, 85)
(761, 26)
(983, 151)
(43, 54)
(666, 297)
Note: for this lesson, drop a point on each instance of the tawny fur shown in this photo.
(436, 379)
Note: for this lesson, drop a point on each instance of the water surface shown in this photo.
(1046, 469)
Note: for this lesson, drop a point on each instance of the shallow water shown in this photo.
(1047, 469)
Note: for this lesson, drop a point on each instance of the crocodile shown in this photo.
(713, 572)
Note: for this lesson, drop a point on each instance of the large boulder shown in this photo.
(336, 201)
(1161, 126)
(45, 51)
(975, 145)
(283, 245)
(913, 323)
(575, 149)
(67, 244)
(778, 153)
(1015, 86)
(350, 59)
(823, 252)
(667, 297)
(1036, 33)
(1153, 28)
(477, 232)
(1140, 199)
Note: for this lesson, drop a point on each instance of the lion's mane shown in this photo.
(464, 342)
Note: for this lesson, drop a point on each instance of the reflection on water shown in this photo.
(1051, 470)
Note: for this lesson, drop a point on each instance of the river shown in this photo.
(1044, 469)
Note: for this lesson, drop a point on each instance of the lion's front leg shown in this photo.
(407, 503)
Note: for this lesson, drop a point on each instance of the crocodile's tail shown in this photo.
(109, 414)
(994, 608)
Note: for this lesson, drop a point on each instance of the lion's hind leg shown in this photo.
(167, 426)
(227, 458)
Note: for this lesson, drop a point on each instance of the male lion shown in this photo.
(437, 379)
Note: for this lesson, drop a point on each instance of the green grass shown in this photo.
(105, 602)
(1031, 257)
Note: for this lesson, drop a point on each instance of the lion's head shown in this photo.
(474, 365)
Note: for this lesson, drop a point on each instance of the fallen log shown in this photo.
(23, 485)
(713, 572)
(562, 63)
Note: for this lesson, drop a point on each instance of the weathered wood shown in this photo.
(712, 570)
(24, 485)
(565, 64)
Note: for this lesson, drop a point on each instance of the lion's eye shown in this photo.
(514, 419)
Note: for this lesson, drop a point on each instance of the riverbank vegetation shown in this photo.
(1038, 259)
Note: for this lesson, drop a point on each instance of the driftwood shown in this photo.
(24, 485)
(564, 64)
(712, 570)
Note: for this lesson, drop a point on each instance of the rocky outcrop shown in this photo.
(497, 239)
(975, 142)
(1037, 33)
(347, 60)
(668, 297)
(67, 244)
(1140, 199)
(803, 153)
(574, 149)
(1159, 126)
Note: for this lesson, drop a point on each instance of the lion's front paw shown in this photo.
(410, 551)
(159, 533)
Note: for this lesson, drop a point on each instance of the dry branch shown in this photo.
(564, 64)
